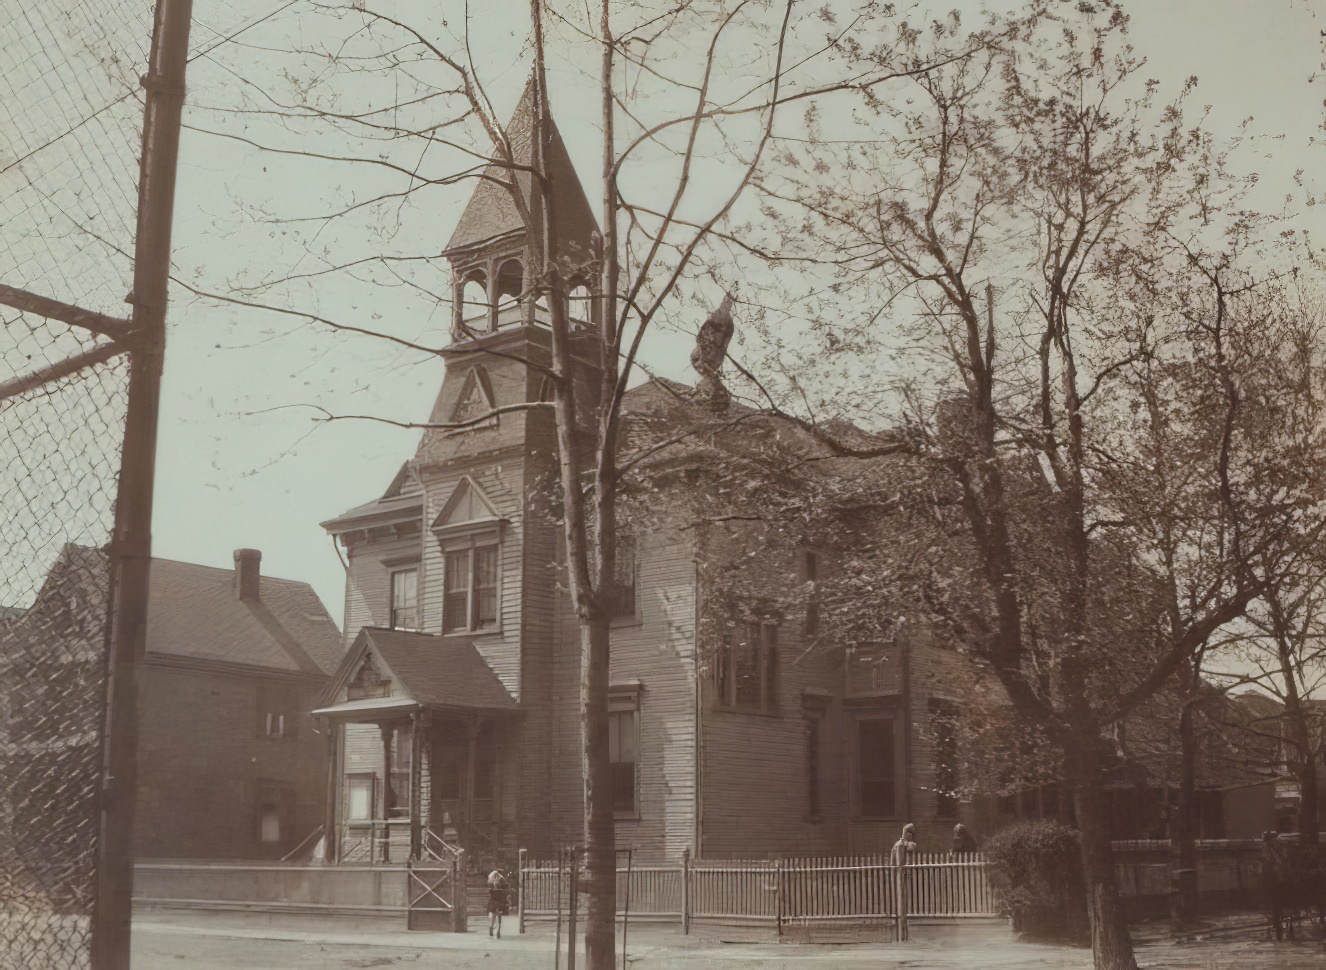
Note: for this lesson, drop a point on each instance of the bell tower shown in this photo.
(489, 251)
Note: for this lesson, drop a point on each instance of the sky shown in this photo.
(242, 462)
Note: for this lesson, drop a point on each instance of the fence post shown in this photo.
(520, 891)
(778, 899)
(572, 913)
(686, 890)
(900, 875)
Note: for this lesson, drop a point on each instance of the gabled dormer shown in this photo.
(489, 252)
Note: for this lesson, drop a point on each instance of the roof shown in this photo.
(402, 501)
(193, 613)
(437, 671)
(67, 620)
(491, 214)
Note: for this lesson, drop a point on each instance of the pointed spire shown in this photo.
(491, 214)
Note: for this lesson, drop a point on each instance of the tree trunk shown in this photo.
(600, 837)
(1183, 830)
(1111, 946)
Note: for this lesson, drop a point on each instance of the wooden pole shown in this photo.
(131, 543)
(686, 890)
(520, 890)
(571, 916)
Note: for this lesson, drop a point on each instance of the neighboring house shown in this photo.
(1238, 782)
(1265, 734)
(229, 763)
(52, 669)
(455, 710)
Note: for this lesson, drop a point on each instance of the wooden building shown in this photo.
(454, 715)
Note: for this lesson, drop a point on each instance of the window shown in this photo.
(580, 304)
(360, 797)
(405, 599)
(470, 589)
(944, 727)
(278, 711)
(624, 753)
(813, 807)
(275, 801)
(746, 671)
(621, 597)
(875, 762)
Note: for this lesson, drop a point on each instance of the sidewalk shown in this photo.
(249, 941)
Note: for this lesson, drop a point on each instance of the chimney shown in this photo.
(247, 572)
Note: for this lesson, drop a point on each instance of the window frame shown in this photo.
(470, 546)
(277, 707)
(897, 807)
(944, 716)
(622, 602)
(394, 572)
(727, 679)
(625, 702)
(373, 789)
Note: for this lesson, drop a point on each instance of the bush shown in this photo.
(1036, 869)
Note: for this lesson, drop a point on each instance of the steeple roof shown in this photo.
(491, 213)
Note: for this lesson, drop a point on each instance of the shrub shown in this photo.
(1036, 869)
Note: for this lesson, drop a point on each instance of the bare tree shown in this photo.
(690, 91)
(1084, 288)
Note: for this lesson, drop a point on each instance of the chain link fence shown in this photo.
(71, 108)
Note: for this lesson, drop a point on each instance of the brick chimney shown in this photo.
(248, 563)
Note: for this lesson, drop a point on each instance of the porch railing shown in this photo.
(372, 841)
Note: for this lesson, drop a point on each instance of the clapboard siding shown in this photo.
(756, 773)
(501, 483)
(368, 581)
(657, 651)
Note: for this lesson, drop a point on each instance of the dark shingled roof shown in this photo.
(193, 612)
(439, 671)
(491, 214)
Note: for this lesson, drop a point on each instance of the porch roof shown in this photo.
(436, 672)
(369, 705)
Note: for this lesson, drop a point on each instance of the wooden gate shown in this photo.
(434, 898)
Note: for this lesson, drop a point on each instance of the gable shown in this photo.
(467, 507)
(475, 400)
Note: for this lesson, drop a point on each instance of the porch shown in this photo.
(421, 742)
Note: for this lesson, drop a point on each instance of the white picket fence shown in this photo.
(785, 894)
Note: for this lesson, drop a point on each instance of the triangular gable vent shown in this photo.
(367, 682)
(468, 510)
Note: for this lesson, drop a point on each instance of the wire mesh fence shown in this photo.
(71, 107)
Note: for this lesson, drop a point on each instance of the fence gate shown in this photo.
(432, 896)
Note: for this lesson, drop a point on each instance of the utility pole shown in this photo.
(131, 543)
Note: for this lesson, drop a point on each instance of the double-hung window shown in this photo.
(624, 752)
(470, 598)
(405, 599)
(746, 670)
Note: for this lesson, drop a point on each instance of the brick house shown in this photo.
(455, 710)
(229, 766)
(229, 763)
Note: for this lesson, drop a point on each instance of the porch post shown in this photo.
(331, 829)
(471, 741)
(388, 796)
(417, 728)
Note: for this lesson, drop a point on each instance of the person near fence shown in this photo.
(906, 843)
(499, 901)
(963, 840)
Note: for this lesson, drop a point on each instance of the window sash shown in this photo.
(747, 669)
(624, 758)
(876, 763)
(405, 599)
(470, 586)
